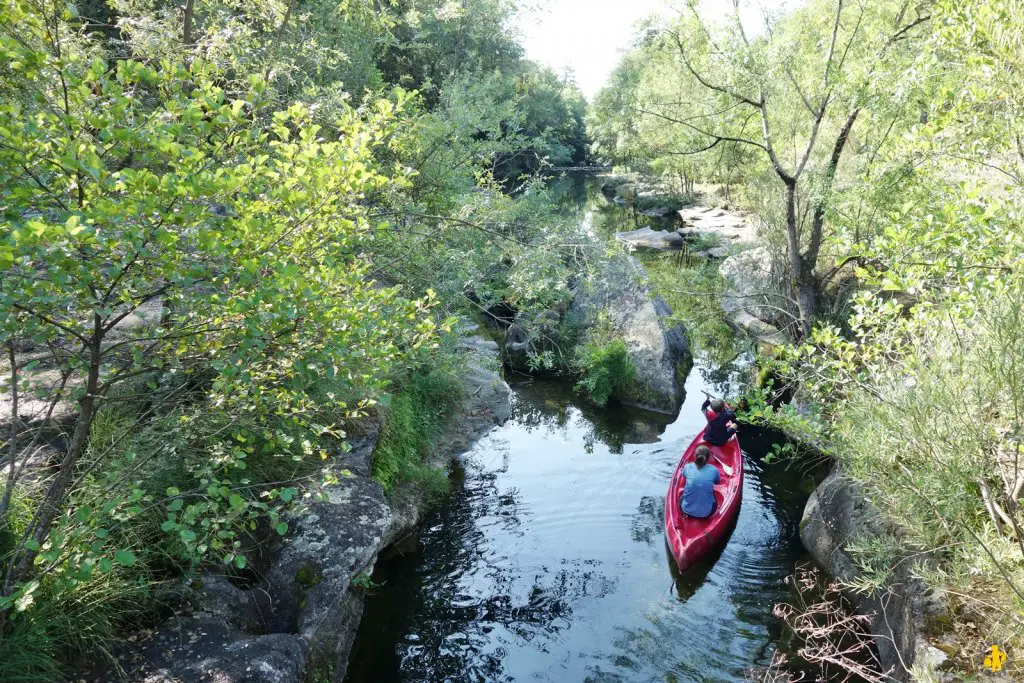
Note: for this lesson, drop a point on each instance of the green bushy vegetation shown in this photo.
(692, 287)
(416, 415)
(229, 232)
(605, 370)
(894, 211)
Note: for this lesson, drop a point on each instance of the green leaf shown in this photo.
(281, 528)
(125, 558)
(240, 561)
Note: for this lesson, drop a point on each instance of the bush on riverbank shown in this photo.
(693, 288)
(216, 259)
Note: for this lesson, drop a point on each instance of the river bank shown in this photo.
(293, 616)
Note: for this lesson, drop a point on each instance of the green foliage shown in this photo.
(364, 581)
(62, 619)
(416, 416)
(605, 370)
(693, 290)
(707, 100)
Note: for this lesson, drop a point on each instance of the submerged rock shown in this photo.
(652, 239)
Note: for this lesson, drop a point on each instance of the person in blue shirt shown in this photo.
(699, 492)
(721, 421)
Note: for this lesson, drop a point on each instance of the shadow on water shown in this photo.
(548, 561)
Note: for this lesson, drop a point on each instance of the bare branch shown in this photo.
(708, 84)
(715, 136)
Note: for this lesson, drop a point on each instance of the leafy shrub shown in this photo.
(606, 370)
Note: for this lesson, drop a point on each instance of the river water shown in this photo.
(548, 562)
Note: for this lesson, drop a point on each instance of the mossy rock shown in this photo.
(308, 576)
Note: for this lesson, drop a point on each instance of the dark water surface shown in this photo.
(548, 563)
(579, 193)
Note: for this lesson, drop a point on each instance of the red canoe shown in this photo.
(691, 538)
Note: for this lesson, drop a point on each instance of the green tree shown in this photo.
(134, 190)
(793, 95)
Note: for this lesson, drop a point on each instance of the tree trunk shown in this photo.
(55, 499)
(802, 278)
(808, 297)
(186, 29)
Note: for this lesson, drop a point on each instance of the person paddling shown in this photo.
(721, 421)
(699, 493)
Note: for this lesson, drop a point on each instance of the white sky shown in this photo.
(589, 36)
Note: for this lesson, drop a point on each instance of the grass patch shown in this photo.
(418, 413)
(65, 621)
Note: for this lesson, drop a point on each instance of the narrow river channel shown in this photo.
(548, 562)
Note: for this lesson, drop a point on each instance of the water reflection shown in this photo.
(549, 563)
(554, 406)
(578, 194)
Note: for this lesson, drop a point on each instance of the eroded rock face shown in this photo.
(751, 302)
(302, 616)
(659, 351)
(317, 560)
(837, 514)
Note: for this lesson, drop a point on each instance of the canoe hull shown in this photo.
(690, 538)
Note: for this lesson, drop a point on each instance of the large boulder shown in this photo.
(753, 282)
(619, 299)
(329, 545)
(836, 515)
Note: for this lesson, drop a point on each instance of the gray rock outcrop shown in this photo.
(301, 617)
(659, 350)
(837, 514)
(751, 300)
(730, 228)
